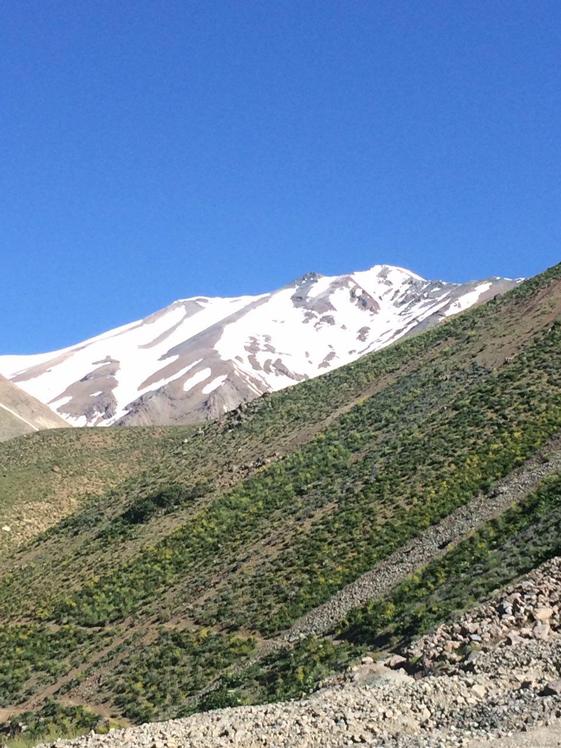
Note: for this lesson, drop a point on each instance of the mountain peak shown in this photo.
(310, 277)
(384, 271)
(200, 357)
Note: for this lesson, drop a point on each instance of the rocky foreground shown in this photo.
(491, 678)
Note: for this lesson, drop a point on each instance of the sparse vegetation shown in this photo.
(163, 583)
(505, 548)
(55, 721)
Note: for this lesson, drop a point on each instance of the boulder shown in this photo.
(395, 662)
(553, 688)
(543, 614)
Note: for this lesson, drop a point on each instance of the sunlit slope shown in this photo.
(244, 525)
(21, 413)
(44, 476)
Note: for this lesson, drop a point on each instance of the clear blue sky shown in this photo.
(154, 150)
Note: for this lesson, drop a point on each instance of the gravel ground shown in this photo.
(541, 737)
(379, 706)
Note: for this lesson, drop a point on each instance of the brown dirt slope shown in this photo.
(21, 413)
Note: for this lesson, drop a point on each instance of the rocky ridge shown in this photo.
(527, 611)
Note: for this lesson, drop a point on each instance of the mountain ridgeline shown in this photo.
(202, 356)
(203, 576)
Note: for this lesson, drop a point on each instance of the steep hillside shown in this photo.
(201, 357)
(467, 695)
(45, 476)
(21, 413)
(185, 587)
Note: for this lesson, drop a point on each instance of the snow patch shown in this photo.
(265, 341)
(468, 299)
(60, 403)
(196, 379)
(167, 380)
(215, 384)
(17, 415)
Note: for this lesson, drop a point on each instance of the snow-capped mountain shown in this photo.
(202, 356)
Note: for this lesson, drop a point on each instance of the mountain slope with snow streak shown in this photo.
(202, 356)
(22, 414)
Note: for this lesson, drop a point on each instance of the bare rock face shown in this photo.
(200, 357)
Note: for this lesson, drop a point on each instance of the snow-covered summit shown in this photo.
(202, 355)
